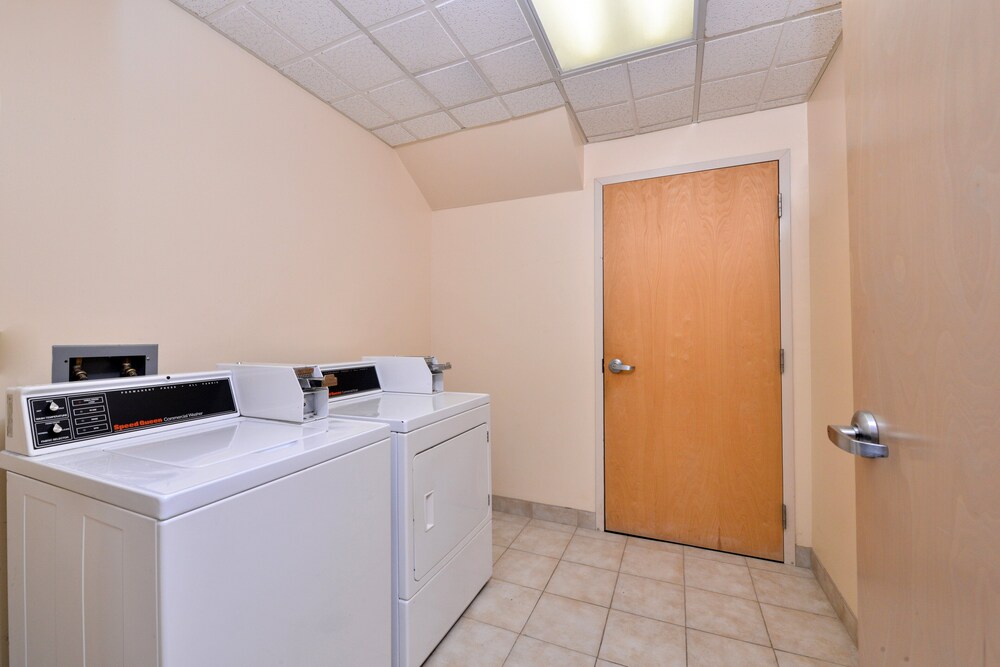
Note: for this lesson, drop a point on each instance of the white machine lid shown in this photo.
(164, 475)
(408, 412)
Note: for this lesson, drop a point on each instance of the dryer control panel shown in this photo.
(352, 380)
(56, 420)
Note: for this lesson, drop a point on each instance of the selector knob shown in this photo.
(56, 428)
(54, 407)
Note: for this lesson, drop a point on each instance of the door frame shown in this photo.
(783, 158)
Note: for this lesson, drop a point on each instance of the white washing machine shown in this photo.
(149, 523)
(442, 542)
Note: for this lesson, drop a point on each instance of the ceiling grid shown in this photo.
(410, 70)
(700, 17)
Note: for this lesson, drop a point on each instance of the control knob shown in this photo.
(54, 407)
(57, 428)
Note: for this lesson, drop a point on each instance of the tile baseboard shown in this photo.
(836, 598)
(554, 513)
(803, 556)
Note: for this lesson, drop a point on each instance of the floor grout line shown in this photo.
(803, 611)
(607, 617)
(687, 650)
(803, 655)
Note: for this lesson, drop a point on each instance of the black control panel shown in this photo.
(353, 380)
(58, 420)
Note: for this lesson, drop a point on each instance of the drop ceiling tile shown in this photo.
(317, 79)
(481, 113)
(617, 118)
(750, 51)
(203, 7)
(361, 63)
(418, 42)
(530, 100)
(403, 99)
(455, 84)
(666, 126)
(731, 93)
(515, 67)
(725, 16)
(792, 80)
(481, 25)
(598, 88)
(727, 112)
(788, 101)
(244, 27)
(362, 112)
(370, 12)
(394, 135)
(664, 72)
(809, 37)
(665, 108)
(311, 23)
(797, 7)
(434, 125)
(609, 137)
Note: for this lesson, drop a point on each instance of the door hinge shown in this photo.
(602, 365)
(784, 516)
(781, 360)
(780, 206)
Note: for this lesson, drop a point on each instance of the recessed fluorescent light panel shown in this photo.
(585, 32)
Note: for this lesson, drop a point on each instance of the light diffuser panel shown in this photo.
(585, 32)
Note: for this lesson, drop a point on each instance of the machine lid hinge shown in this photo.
(602, 365)
(784, 516)
(781, 360)
(780, 206)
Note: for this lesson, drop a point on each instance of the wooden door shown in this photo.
(692, 300)
(923, 122)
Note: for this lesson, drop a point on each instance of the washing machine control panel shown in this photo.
(66, 419)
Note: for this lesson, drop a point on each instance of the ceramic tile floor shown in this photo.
(566, 596)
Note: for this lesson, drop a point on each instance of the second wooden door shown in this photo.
(924, 182)
(692, 301)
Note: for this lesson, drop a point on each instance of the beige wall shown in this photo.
(514, 307)
(513, 311)
(834, 528)
(534, 155)
(159, 184)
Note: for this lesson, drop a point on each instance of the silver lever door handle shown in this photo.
(860, 438)
(616, 366)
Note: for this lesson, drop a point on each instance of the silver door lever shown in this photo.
(860, 438)
(616, 366)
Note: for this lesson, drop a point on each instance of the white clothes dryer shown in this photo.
(442, 538)
(149, 523)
